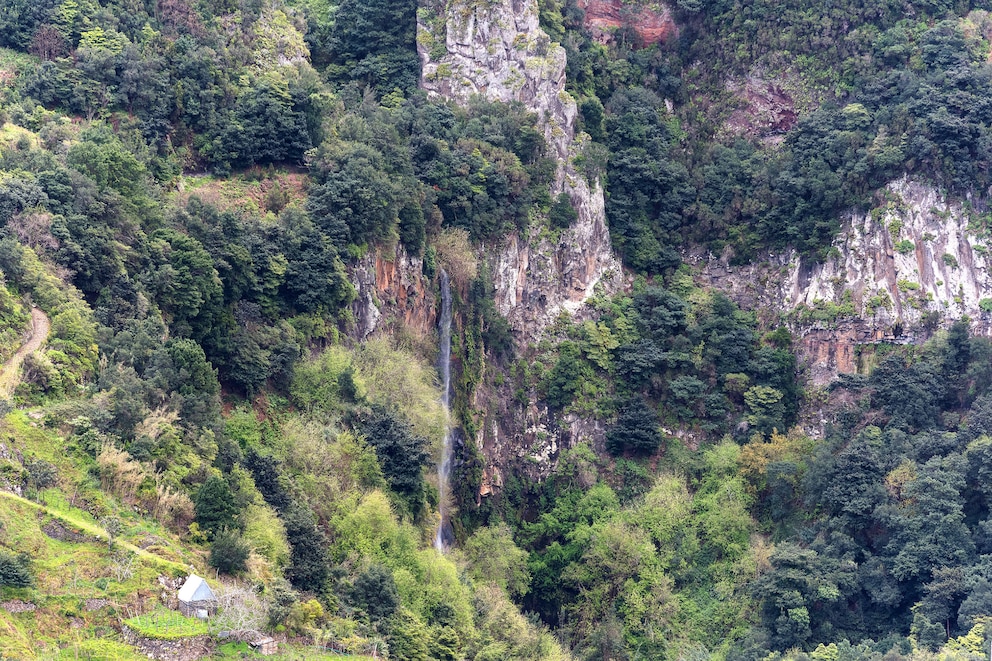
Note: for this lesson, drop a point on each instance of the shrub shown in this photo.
(119, 474)
(562, 214)
(215, 506)
(636, 430)
(229, 553)
(375, 592)
(15, 570)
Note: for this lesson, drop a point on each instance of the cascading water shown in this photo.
(443, 535)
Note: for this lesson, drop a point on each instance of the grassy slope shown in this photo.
(70, 573)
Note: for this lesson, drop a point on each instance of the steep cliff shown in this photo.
(498, 50)
(913, 264)
(391, 287)
(652, 23)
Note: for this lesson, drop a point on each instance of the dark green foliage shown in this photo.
(374, 591)
(402, 455)
(567, 376)
(309, 568)
(803, 595)
(216, 508)
(636, 430)
(15, 570)
(41, 474)
(909, 394)
(268, 126)
(228, 552)
(354, 201)
(905, 504)
(493, 327)
(374, 43)
(265, 471)
(186, 282)
(648, 188)
(19, 20)
(562, 214)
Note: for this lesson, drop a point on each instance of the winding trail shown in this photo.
(10, 372)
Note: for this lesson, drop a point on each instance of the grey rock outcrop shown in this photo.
(498, 50)
(896, 274)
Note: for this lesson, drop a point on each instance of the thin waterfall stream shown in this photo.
(442, 537)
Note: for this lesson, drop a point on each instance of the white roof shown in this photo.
(195, 589)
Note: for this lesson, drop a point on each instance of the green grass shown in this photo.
(101, 649)
(76, 520)
(286, 653)
(67, 574)
(165, 624)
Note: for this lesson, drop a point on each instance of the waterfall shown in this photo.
(442, 537)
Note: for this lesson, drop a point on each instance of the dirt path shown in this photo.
(10, 372)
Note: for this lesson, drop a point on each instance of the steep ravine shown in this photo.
(897, 274)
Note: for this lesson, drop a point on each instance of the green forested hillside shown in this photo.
(186, 189)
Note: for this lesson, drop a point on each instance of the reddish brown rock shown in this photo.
(399, 281)
(766, 110)
(652, 24)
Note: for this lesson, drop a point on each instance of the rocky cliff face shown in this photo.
(651, 23)
(908, 267)
(391, 288)
(498, 50)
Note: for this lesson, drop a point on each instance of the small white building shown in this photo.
(196, 599)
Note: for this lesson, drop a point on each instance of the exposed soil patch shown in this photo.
(767, 110)
(11, 371)
(248, 194)
(56, 530)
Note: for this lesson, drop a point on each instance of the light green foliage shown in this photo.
(277, 40)
(71, 354)
(379, 373)
(828, 311)
(666, 514)
(265, 534)
(317, 384)
(368, 527)
(722, 503)
(505, 633)
(600, 342)
(13, 319)
(881, 300)
(905, 247)
(493, 557)
(99, 648)
(242, 426)
(98, 39)
(765, 407)
(396, 377)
